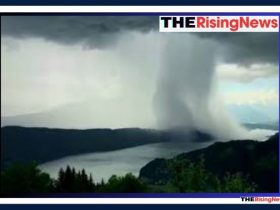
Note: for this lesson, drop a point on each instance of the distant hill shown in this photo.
(21, 144)
(259, 160)
(42, 144)
(269, 126)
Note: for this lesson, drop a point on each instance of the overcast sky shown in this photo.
(103, 71)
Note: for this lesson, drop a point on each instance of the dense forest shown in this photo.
(19, 180)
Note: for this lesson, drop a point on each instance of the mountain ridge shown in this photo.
(26, 144)
(258, 160)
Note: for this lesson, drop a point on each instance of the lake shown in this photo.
(130, 160)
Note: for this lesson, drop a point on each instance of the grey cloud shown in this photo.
(97, 31)
(103, 31)
(246, 48)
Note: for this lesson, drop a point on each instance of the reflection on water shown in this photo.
(120, 162)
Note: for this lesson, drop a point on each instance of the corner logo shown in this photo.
(218, 23)
(261, 199)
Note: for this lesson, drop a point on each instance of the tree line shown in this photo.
(186, 177)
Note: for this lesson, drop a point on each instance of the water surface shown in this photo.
(130, 160)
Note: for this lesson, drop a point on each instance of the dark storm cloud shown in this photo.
(94, 31)
(247, 48)
(103, 31)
